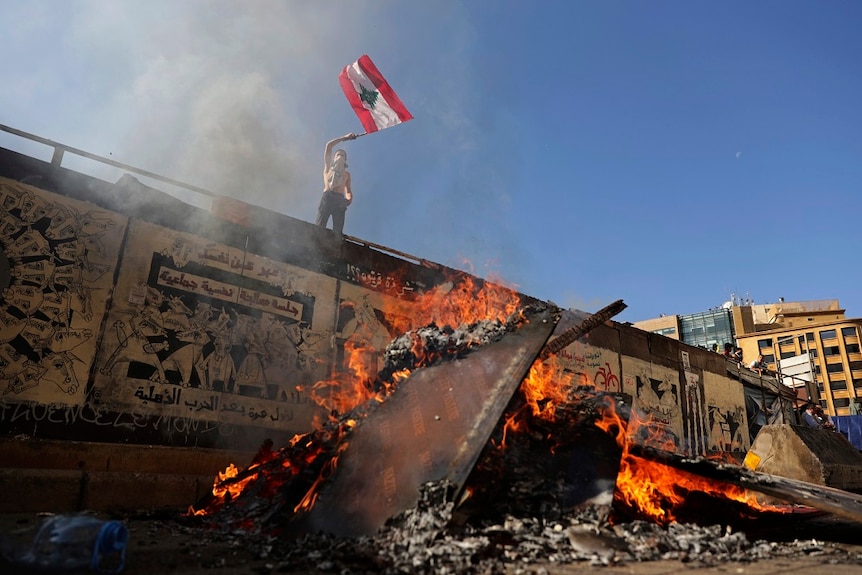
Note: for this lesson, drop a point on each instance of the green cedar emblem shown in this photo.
(368, 96)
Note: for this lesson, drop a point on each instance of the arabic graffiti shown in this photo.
(591, 366)
(377, 281)
(171, 395)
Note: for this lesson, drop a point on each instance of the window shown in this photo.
(831, 350)
(841, 402)
(834, 368)
(666, 331)
(786, 354)
(838, 385)
(813, 353)
(852, 347)
(848, 331)
(809, 336)
(764, 343)
(856, 366)
(827, 334)
(768, 358)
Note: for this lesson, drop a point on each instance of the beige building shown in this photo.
(812, 344)
(817, 330)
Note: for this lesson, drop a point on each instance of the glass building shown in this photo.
(707, 328)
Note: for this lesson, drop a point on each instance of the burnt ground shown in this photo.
(168, 543)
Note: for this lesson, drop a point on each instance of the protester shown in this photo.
(809, 418)
(824, 419)
(337, 193)
(758, 365)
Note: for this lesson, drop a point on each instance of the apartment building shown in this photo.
(811, 344)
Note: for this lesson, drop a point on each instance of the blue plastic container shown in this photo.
(75, 543)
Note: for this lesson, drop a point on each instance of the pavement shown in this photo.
(163, 545)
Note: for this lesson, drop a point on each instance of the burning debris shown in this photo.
(431, 344)
(499, 478)
(426, 540)
(282, 484)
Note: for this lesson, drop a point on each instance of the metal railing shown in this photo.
(61, 149)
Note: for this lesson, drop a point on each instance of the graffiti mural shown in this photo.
(199, 327)
(589, 365)
(657, 403)
(364, 329)
(61, 255)
(725, 415)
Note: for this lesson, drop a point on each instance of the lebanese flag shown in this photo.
(371, 97)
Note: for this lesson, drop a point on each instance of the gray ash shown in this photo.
(433, 344)
(423, 540)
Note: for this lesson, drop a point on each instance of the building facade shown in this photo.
(812, 345)
(702, 329)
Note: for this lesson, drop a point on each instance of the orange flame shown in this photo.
(462, 301)
(656, 490)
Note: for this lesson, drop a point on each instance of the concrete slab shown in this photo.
(818, 456)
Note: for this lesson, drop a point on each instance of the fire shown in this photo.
(462, 301)
(465, 301)
(545, 387)
(657, 491)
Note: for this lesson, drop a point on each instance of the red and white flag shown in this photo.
(371, 96)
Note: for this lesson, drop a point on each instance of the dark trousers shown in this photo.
(335, 205)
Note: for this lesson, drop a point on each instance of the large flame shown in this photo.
(657, 491)
(462, 301)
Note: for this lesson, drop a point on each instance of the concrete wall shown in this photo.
(681, 395)
(129, 318)
(132, 317)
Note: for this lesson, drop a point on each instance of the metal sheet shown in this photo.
(432, 427)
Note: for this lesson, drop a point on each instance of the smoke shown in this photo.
(240, 98)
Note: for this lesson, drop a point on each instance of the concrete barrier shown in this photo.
(818, 456)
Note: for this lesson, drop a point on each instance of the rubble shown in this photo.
(423, 540)
(544, 500)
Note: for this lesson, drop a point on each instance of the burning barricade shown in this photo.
(471, 426)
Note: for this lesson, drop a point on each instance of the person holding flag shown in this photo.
(377, 107)
(337, 193)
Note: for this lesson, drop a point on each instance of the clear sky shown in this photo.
(667, 153)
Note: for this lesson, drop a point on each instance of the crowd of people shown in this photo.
(735, 353)
(812, 416)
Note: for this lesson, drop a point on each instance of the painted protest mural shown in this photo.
(364, 329)
(588, 365)
(61, 256)
(200, 329)
(657, 400)
(725, 415)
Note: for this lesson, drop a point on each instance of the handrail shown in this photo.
(61, 149)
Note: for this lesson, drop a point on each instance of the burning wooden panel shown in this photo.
(432, 428)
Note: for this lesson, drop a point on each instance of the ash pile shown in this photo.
(495, 487)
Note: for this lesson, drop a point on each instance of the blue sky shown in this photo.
(665, 153)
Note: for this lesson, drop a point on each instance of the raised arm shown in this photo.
(327, 151)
